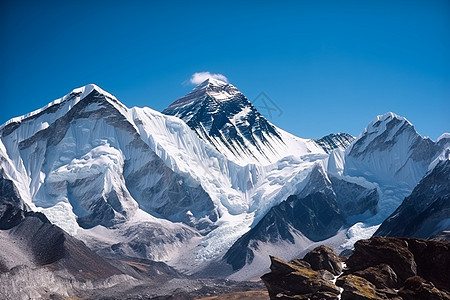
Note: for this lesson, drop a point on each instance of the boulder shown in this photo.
(379, 268)
(418, 288)
(382, 276)
(324, 258)
(358, 288)
(433, 261)
(289, 280)
(378, 250)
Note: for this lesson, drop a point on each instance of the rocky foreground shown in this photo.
(379, 268)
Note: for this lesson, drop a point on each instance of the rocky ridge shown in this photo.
(379, 268)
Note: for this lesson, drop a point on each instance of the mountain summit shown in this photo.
(224, 118)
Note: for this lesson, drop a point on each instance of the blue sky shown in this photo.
(329, 65)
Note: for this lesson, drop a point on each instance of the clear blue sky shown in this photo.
(329, 65)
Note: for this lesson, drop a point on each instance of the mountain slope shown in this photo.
(315, 213)
(223, 117)
(352, 192)
(390, 150)
(87, 160)
(335, 141)
(135, 182)
(426, 212)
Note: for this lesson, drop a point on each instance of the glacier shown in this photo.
(182, 187)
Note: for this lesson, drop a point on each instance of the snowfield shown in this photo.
(115, 176)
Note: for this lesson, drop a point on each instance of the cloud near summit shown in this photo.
(199, 77)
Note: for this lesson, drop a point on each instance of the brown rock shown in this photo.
(433, 261)
(382, 276)
(378, 250)
(358, 288)
(288, 280)
(418, 288)
(324, 258)
(300, 263)
(280, 267)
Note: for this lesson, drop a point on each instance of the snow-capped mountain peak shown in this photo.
(60, 106)
(224, 118)
(382, 131)
(390, 150)
(212, 82)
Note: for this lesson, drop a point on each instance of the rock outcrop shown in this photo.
(291, 279)
(379, 268)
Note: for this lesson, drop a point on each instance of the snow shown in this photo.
(444, 136)
(358, 231)
(284, 250)
(97, 157)
(241, 150)
(62, 215)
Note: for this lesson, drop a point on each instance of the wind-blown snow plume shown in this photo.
(199, 77)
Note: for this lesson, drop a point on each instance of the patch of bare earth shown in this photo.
(247, 295)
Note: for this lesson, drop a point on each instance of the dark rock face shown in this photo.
(335, 141)
(376, 251)
(9, 193)
(406, 257)
(211, 118)
(425, 212)
(10, 216)
(48, 245)
(288, 280)
(380, 268)
(324, 258)
(418, 288)
(382, 276)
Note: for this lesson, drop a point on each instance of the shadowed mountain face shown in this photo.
(426, 212)
(335, 141)
(224, 118)
(317, 213)
(32, 236)
(219, 112)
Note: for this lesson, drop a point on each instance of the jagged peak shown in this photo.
(212, 82)
(75, 96)
(444, 136)
(386, 118)
(384, 129)
(87, 89)
(217, 89)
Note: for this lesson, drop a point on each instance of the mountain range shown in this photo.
(210, 184)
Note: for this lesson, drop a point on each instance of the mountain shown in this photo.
(426, 212)
(209, 177)
(82, 162)
(137, 182)
(224, 118)
(323, 207)
(353, 191)
(335, 141)
(390, 150)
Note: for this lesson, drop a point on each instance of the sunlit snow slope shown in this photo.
(184, 186)
(86, 160)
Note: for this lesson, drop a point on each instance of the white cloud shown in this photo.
(199, 77)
